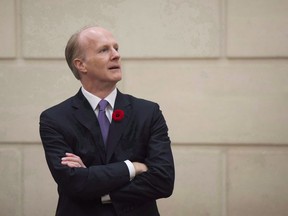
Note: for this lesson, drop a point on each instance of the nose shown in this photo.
(115, 54)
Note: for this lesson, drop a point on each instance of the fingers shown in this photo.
(72, 160)
(71, 155)
(71, 164)
(140, 167)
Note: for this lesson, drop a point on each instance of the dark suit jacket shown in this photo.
(141, 135)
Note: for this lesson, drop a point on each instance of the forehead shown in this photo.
(97, 36)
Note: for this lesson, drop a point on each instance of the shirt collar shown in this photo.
(94, 100)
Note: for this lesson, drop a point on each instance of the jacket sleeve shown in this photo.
(83, 183)
(158, 181)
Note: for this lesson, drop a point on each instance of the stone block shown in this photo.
(40, 191)
(144, 29)
(26, 90)
(7, 29)
(257, 181)
(216, 103)
(257, 28)
(10, 181)
(199, 183)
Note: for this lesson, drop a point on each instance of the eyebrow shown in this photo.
(108, 45)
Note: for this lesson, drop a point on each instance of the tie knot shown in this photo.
(102, 105)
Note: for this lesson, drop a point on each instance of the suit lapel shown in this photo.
(86, 116)
(117, 127)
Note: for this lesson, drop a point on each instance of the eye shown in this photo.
(103, 50)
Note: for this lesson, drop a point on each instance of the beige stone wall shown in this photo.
(218, 68)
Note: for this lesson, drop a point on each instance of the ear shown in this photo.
(80, 65)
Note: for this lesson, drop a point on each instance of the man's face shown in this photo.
(101, 57)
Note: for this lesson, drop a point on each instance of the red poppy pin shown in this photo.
(118, 115)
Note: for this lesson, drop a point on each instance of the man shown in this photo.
(115, 166)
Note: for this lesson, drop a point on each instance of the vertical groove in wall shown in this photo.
(224, 182)
(18, 13)
(22, 182)
(223, 54)
(18, 29)
(223, 28)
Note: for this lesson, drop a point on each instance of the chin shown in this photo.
(118, 77)
(115, 79)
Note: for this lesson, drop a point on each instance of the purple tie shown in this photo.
(103, 120)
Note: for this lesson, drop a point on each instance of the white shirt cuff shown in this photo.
(131, 169)
(106, 199)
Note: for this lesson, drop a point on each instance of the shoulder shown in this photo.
(67, 105)
(141, 102)
(144, 108)
(147, 111)
(59, 109)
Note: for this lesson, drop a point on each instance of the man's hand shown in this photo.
(72, 160)
(139, 167)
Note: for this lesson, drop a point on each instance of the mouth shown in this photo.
(114, 67)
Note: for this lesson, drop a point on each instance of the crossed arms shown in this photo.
(154, 175)
(71, 160)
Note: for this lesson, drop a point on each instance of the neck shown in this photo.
(100, 91)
